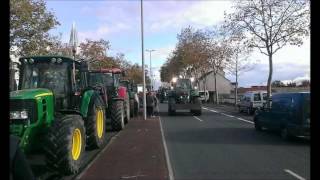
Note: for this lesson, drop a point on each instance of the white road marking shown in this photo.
(165, 149)
(198, 118)
(210, 109)
(294, 174)
(227, 115)
(241, 119)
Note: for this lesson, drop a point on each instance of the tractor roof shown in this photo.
(107, 70)
(48, 58)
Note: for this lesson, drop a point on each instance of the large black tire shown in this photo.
(171, 112)
(136, 108)
(59, 144)
(127, 110)
(197, 112)
(95, 123)
(117, 115)
(131, 107)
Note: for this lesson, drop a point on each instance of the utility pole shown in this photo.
(143, 71)
(150, 50)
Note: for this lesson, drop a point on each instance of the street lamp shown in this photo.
(150, 50)
(143, 75)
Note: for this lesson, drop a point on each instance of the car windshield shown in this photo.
(46, 75)
(265, 97)
(184, 84)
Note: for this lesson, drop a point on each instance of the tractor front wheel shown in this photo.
(95, 124)
(65, 144)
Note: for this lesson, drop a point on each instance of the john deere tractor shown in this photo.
(183, 96)
(118, 98)
(55, 112)
(132, 90)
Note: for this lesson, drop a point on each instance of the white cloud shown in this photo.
(199, 15)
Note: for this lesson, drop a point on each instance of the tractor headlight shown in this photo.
(59, 60)
(53, 60)
(19, 114)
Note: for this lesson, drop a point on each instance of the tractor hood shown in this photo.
(30, 93)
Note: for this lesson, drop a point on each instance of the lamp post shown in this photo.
(143, 71)
(150, 50)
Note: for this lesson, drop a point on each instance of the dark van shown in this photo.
(289, 114)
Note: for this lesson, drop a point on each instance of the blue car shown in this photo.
(289, 114)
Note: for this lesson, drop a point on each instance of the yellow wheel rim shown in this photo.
(76, 144)
(99, 123)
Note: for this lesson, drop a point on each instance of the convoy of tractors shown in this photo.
(62, 108)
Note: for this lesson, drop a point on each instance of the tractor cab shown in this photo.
(56, 74)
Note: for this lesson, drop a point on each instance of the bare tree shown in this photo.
(218, 53)
(269, 25)
(239, 61)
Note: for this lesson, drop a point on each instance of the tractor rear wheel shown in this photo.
(136, 108)
(95, 124)
(117, 115)
(65, 144)
(131, 107)
(127, 110)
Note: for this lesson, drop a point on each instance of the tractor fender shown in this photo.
(85, 100)
(122, 91)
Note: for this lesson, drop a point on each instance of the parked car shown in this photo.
(251, 101)
(289, 114)
(204, 96)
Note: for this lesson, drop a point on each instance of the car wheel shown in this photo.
(285, 134)
(257, 125)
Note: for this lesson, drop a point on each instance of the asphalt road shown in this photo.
(221, 145)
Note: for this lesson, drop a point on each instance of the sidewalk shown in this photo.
(137, 152)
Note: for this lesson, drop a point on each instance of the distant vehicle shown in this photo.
(289, 113)
(204, 96)
(251, 101)
(183, 96)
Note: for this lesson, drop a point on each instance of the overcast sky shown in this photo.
(119, 23)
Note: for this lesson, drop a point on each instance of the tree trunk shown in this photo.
(236, 89)
(269, 78)
(215, 87)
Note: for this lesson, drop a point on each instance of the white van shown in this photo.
(204, 96)
(252, 100)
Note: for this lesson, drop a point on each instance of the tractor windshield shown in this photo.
(46, 75)
(183, 84)
(95, 79)
(108, 79)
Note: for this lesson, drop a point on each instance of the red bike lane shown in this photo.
(136, 152)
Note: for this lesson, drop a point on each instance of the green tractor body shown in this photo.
(54, 111)
(183, 96)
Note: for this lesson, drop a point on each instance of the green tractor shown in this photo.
(183, 96)
(132, 90)
(117, 99)
(55, 112)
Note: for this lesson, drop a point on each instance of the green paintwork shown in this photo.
(85, 100)
(29, 134)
